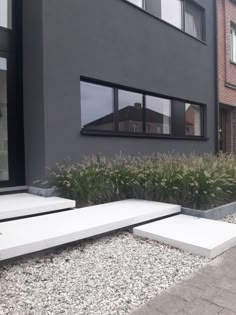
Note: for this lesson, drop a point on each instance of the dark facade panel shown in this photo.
(34, 119)
(118, 43)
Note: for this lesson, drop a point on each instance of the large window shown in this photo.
(114, 110)
(193, 120)
(6, 13)
(233, 43)
(4, 174)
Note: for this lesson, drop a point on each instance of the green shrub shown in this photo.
(193, 181)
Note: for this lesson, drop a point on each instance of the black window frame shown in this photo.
(177, 121)
(182, 29)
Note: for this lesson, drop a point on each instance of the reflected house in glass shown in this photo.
(131, 120)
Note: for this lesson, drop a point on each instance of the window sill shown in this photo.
(233, 62)
(159, 19)
(5, 29)
(139, 135)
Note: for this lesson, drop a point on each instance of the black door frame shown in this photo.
(11, 49)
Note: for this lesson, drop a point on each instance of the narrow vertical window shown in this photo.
(171, 12)
(193, 120)
(4, 173)
(158, 115)
(6, 13)
(233, 43)
(96, 107)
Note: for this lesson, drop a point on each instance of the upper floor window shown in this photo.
(193, 15)
(171, 12)
(233, 43)
(6, 13)
(183, 14)
(139, 3)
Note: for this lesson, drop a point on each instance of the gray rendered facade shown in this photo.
(111, 41)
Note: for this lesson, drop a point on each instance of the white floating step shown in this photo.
(196, 235)
(19, 205)
(33, 234)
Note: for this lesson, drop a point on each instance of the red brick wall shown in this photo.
(226, 12)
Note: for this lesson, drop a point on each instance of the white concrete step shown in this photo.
(196, 235)
(33, 234)
(19, 205)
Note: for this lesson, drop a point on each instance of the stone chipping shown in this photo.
(108, 275)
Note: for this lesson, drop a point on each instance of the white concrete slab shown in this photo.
(33, 234)
(196, 235)
(19, 205)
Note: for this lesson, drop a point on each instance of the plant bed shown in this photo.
(197, 182)
(216, 213)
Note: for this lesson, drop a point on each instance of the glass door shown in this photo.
(12, 171)
(4, 166)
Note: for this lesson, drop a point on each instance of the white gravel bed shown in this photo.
(230, 219)
(107, 275)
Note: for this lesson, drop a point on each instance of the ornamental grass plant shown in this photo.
(199, 182)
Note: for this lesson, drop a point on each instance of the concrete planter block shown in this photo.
(44, 192)
(212, 214)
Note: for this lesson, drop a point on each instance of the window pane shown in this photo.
(193, 120)
(96, 107)
(193, 20)
(139, 3)
(233, 44)
(130, 111)
(171, 12)
(6, 13)
(158, 115)
(4, 174)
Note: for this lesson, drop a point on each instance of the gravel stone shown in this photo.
(230, 219)
(107, 275)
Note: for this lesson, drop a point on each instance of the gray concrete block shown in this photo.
(214, 213)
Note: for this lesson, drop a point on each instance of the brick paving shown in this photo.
(210, 291)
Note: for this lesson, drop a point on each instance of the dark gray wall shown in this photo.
(115, 42)
(35, 159)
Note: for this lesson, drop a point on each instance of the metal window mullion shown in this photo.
(144, 113)
(116, 110)
(183, 15)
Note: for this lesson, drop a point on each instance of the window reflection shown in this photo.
(158, 115)
(96, 107)
(130, 111)
(139, 3)
(171, 12)
(6, 13)
(193, 120)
